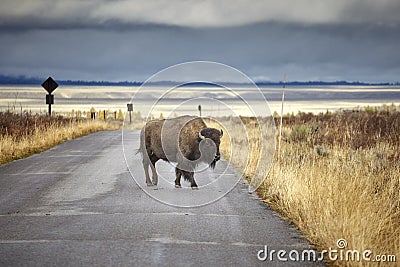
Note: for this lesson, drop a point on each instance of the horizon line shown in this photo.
(25, 80)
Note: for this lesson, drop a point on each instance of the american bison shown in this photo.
(185, 140)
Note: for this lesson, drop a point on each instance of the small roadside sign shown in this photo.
(49, 99)
(49, 85)
(130, 109)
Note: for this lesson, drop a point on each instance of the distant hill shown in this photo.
(21, 80)
(35, 80)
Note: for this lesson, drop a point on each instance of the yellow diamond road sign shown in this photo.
(49, 85)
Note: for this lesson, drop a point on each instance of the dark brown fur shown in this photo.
(178, 140)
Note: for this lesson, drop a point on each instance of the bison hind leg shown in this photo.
(146, 172)
(150, 163)
(153, 160)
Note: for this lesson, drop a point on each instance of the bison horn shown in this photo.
(202, 137)
(221, 134)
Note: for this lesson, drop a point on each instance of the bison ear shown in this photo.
(221, 133)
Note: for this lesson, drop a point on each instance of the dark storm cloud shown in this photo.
(130, 40)
(52, 14)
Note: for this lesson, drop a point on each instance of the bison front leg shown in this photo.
(178, 174)
(192, 181)
(190, 177)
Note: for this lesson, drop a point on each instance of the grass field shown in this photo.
(338, 177)
(26, 134)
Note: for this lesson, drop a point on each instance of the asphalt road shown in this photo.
(78, 204)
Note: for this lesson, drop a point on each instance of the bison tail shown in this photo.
(141, 148)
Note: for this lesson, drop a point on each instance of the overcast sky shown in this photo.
(354, 40)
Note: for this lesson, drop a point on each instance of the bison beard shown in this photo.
(213, 163)
(185, 140)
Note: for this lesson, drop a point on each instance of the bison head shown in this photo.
(210, 140)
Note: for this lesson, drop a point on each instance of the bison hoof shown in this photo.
(194, 187)
(178, 186)
(150, 184)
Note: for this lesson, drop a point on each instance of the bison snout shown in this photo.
(217, 157)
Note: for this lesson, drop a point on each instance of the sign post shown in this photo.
(280, 126)
(49, 85)
(199, 108)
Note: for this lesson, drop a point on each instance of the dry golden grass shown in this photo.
(18, 142)
(348, 194)
(338, 177)
(241, 144)
(136, 124)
